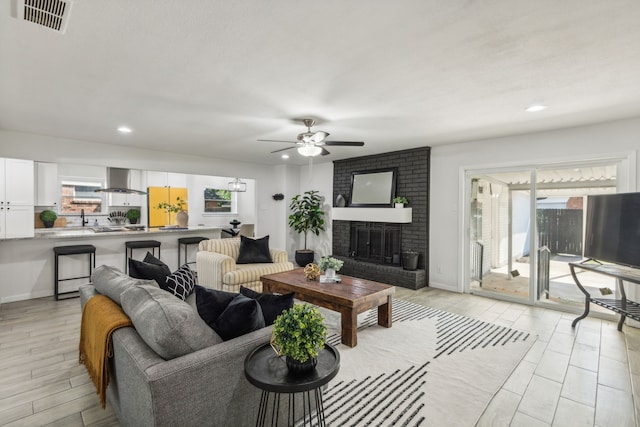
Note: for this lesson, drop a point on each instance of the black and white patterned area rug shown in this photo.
(431, 368)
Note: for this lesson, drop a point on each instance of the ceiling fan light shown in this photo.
(309, 150)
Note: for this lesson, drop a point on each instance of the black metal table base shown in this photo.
(312, 410)
(624, 307)
(292, 399)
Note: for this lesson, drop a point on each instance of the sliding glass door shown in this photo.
(500, 234)
(561, 201)
(526, 225)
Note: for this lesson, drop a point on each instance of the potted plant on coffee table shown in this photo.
(306, 216)
(299, 334)
(48, 218)
(330, 266)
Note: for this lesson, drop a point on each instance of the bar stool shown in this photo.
(139, 244)
(71, 250)
(186, 241)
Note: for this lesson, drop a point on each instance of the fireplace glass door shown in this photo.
(376, 242)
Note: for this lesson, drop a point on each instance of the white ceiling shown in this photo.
(209, 77)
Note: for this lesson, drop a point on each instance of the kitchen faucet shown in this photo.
(84, 221)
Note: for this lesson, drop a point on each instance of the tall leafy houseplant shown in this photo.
(306, 216)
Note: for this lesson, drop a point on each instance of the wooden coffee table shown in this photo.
(350, 297)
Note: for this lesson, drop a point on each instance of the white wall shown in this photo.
(448, 162)
(320, 178)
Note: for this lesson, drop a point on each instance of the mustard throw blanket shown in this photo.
(100, 317)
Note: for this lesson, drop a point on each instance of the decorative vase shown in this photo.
(330, 273)
(399, 205)
(182, 219)
(340, 201)
(297, 368)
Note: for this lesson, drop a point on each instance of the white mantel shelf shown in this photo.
(400, 215)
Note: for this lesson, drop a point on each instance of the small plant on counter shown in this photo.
(133, 215)
(172, 207)
(48, 217)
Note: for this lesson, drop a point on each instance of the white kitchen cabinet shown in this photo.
(47, 184)
(16, 198)
(16, 221)
(166, 179)
(120, 199)
(18, 182)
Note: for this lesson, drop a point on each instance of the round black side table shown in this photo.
(265, 370)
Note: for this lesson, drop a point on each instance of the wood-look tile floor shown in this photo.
(585, 376)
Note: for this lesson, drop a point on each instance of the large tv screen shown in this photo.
(612, 232)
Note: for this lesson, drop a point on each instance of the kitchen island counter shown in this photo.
(28, 264)
(89, 232)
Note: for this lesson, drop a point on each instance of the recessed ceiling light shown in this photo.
(124, 129)
(535, 108)
(285, 156)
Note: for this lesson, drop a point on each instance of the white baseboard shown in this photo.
(444, 287)
(24, 297)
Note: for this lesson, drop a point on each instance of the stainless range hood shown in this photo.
(118, 181)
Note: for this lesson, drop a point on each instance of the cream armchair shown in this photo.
(217, 268)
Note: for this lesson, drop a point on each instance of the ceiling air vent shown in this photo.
(53, 14)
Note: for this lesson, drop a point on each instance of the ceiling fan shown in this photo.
(311, 144)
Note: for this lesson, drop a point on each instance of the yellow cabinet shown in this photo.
(157, 195)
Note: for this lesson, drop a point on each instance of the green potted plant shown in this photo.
(133, 215)
(182, 218)
(48, 218)
(299, 334)
(330, 265)
(400, 201)
(172, 207)
(306, 215)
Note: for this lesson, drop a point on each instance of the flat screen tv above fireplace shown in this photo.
(373, 188)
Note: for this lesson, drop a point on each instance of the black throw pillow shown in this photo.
(181, 282)
(271, 305)
(241, 316)
(151, 268)
(153, 260)
(211, 303)
(254, 250)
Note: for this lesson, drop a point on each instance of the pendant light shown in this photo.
(237, 186)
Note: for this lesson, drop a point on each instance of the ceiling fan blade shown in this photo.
(345, 143)
(282, 149)
(319, 136)
(277, 140)
(325, 152)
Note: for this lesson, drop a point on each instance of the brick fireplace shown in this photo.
(371, 243)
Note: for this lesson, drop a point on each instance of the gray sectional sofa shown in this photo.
(200, 380)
